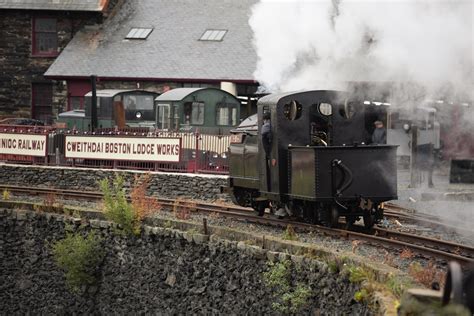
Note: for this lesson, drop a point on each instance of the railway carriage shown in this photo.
(115, 108)
(206, 110)
(318, 166)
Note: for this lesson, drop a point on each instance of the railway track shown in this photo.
(418, 244)
(397, 212)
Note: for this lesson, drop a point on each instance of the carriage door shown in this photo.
(163, 116)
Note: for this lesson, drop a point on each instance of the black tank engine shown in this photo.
(305, 154)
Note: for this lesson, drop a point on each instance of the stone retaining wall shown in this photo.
(171, 185)
(164, 271)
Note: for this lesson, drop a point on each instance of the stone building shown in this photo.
(158, 45)
(33, 33)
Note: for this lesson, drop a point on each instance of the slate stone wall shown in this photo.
(164, 271)
(200, 187)
(19, 68)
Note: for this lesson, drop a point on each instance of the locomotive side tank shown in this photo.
(317, 164)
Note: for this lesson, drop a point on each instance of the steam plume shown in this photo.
(325, 44)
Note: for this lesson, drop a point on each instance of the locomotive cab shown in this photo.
(318, 165)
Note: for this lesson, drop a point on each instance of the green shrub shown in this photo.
(117, 208)
(6, 195)
(361, 295)
(288, 297)
(289, 233)
(80, 258)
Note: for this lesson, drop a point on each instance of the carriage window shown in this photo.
(138, 102)
(234, 116)
(101, 110)
(292, 110)
(130, 102)
(194, 113)
(163, 115)
(226, 114)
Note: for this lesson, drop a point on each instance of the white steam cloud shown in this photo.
(325, 44)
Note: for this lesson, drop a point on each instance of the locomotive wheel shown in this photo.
(350, 220)
(260, 208)
(241, 197)
(334, 217)
(369, 220)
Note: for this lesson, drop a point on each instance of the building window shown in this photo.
(41, 102)
(45, 37)
(138, 33)
(213, 35)
(76, 90)
(77, 103)
(226, 114)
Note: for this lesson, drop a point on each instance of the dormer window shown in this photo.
(213, 35)
(139, 33)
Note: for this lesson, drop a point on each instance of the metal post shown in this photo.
(198, 156)
(204, 225)
(414, 172)
(94, 103)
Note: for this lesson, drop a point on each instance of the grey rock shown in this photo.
(171, 280)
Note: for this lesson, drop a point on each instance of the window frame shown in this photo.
(81, 103)
(133, 36)
(213, 35)
(230, 107)
(163, 122)
(34, 48)
(192, 103)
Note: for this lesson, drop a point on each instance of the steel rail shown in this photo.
(398, 212)
(427, 246)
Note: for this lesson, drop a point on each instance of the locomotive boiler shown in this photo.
(312, 160)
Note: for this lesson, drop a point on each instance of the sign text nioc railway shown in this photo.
(124, 148)
(23, 144)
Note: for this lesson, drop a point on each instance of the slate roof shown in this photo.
(62, 5)
(172, 50)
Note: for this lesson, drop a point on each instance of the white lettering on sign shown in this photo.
(236, 138)
(23, 144)
(124, 148)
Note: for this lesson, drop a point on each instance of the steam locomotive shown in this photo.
(316, 165)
